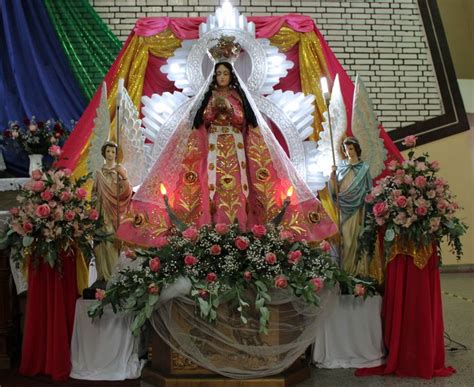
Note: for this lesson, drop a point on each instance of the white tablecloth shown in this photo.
(104, 349)
(350, 336)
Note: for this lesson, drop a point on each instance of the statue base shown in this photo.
(288, 378)
(170, 369)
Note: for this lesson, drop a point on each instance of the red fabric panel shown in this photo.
(155, 81)
(413, 321)
(49, 319)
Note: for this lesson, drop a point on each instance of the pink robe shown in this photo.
(245, 187)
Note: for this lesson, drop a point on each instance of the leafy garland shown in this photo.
(220, 263)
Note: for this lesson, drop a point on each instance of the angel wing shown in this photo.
(100, 133)
(131, 139)
(365, 128)
(337, 112)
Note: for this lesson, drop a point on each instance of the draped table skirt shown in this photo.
(412, 316)
(49, 319)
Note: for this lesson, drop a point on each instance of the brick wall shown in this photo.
(382, 40)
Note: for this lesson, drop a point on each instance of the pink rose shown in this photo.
(241, 243)
(420, 181)
(369, 198)
(81, 193)
(190, 260)
(380, 221)
(43, 211)
(211, 277)
(421, 166)
(434, 165)
(259, 230)
(439, 182)
(14, 211)
(380, 209)
(55, 150)
(409, 141)
(318, 283)
(270, 258)
(154, 264)
(398, 181)
(222, 228)
(294, 257)
(37, 174)
(160, 242)
(247, 276)
(442, 205)
(407, 179)
(400, 172)
(65, 196)
(281, 282)
(27, 227)
(153, 288)
(431, 194)
(47, 195)
(392, 165)
(69, 215)
(401, 201)
(38, 186)
(67, 172)
(93, 214)
(204, 294)
(359, 290)
(421, 211)
(325, 246)
(99, 294)
(396, 193)
(190, 233)
(215, 250)
(286, 235)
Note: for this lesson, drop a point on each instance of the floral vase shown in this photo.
(36, 162)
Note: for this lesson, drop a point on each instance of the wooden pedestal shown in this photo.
(169, 368)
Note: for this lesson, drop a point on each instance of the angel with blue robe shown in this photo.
(354, 182)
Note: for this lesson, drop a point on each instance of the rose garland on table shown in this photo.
(221, 262)
(53, 215)
(412, 204)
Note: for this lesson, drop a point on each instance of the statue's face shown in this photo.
(110, 153)
(350, 151)
(222, 76)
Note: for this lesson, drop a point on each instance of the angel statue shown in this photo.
(365, 155)
(112, 192)
(353, 178)
(222, 164)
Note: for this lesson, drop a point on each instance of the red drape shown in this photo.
(412, 316)
(49, 319)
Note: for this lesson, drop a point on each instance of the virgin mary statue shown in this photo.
(220, 163)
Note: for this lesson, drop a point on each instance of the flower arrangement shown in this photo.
(413, 204)
(220, 263)
(36, 137)
(53, 215)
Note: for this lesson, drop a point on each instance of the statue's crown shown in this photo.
(226, 49)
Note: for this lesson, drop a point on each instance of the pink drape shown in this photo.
(187, 28)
